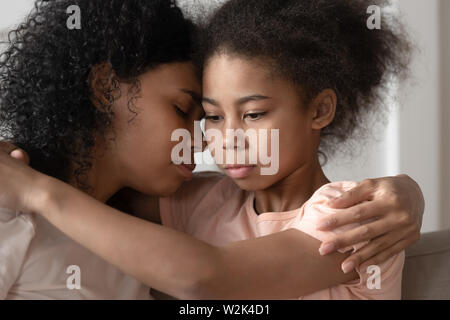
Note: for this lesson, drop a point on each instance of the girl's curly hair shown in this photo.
(317, 44)
(45, 96)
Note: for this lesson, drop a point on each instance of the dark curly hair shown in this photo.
(317, 44)
(45, 96)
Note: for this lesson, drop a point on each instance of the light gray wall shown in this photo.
(445, 111)
(420, 135)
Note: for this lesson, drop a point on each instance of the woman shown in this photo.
(156, 251)
(70, 98)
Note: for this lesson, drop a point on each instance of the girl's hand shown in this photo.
(397, 206)
(17, 180)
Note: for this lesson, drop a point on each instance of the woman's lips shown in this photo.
(239, 171)
(186, 170)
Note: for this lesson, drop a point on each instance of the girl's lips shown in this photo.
(238, 172)
(186, 170)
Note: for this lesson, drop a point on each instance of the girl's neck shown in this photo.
(293, 191)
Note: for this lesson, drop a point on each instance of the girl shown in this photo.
(213, 208)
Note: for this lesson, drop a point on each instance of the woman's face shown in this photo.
(169, 99)
(241, 94)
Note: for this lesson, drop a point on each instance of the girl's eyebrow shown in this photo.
(240, 101)
(247, 99)
(211, 101)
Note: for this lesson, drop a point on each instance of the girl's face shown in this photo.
(169, 99)
(240, 93)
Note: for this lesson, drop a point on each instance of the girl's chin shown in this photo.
(251, 184)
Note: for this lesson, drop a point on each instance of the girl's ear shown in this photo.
(101, 84)
(323, 109)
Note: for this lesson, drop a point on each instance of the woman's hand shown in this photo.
(17, 179)
(395, 204)
(14, 151)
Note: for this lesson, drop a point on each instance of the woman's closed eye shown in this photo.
(181, 112)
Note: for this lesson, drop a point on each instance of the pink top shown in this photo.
(212, 208)
(39, 262)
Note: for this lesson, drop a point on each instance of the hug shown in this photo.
(87, 177)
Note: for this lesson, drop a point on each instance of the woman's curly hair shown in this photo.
(317, 44)
(46, 106)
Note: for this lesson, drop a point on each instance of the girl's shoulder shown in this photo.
(317, 207)
(333, 190)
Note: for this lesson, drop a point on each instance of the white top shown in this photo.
(37, 261)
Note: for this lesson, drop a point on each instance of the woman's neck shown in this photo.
(293, 191)
(102, 178)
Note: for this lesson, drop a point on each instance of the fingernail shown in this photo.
(326, 248)
(348, 266)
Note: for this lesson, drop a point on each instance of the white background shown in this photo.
(416, 139)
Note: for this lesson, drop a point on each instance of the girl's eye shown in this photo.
(255, 116)
(180, 112)
(213, 118)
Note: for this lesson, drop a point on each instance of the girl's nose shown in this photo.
(233, 137)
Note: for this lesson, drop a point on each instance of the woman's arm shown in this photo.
(139, 205)
(396, 205)
(282, 265)
(279, 266)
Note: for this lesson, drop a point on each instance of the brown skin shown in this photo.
(123, 156)
(227, 80)
(396, 228)
(206, 271)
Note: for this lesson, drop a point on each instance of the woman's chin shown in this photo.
(169, 189)
(165, 188)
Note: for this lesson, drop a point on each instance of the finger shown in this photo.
(374, 248)
(358, 194)
(387, 254)
(355, 214)
(21, 155)
(359, 234)
(7, 147)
